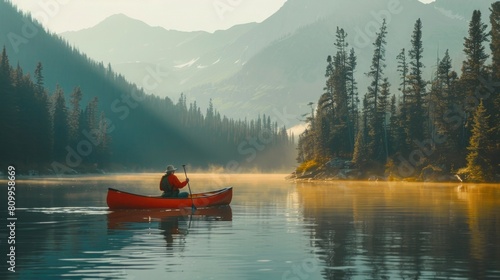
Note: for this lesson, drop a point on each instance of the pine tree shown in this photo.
(334, 131)
(60, 125)
(352, 92)
(494, 87)
(479, 166)
(39, 79)
(321, 125)
(323, 133)
(402, 129)
(383, 112)
(91, 115)
(361, 154)
(43, 130)
(307, 143)
(75, 115)
(90, 125)
(342, 130)
(495, 39)
(8, 110)
(415, 129)
(474, 70)
(403, 70)
(443, 96)
(375, 122)
(394, 125)
(5, 67)
(23, 101)
(328, 98)
(210, 115)
(473, 66)
(104, 142)
(444, 72)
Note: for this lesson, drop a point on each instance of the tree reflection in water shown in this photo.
(403, 230)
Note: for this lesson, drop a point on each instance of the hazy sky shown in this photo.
(185, 15)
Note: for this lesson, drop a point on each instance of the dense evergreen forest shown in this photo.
(45, 131)
(427, 130)
(94, 120)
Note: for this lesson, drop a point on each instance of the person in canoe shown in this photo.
(170, 184)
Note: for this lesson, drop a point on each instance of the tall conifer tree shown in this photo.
(474, 70)
(495, 85)
(375, 121)
(75, 115)
(479, 166)
(417, 89)
(60, 125)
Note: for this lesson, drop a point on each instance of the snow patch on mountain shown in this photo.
(187, 64)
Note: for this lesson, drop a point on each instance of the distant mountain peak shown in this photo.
(122, 20)
(118, 24)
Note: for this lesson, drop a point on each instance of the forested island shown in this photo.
(443, 129)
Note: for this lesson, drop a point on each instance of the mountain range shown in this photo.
(144, 131)
(277, 65)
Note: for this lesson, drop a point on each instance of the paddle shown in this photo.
(193, 208)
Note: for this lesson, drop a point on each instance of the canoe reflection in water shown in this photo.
(170, 227)
(171, 222)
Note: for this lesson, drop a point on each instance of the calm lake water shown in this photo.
(274, 229)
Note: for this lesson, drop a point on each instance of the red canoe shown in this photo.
(123, 200)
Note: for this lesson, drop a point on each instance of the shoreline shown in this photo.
(339, 175)
(332, 180)
(313, 178)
